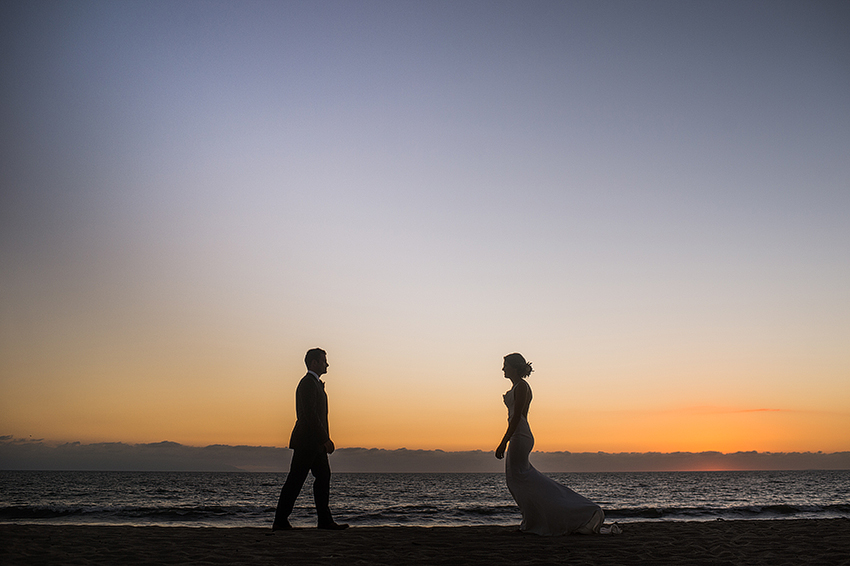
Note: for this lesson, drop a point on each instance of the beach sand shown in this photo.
(773, 543)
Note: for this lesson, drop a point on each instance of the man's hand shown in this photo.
(329, 446)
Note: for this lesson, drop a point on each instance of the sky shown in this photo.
(649, 200)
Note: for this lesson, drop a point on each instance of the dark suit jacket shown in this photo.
(311, 410)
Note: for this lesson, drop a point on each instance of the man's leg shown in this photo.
(321, 470)
(299, 467)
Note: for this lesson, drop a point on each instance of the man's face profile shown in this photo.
(320, 365)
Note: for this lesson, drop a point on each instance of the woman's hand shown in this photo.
(500, 451)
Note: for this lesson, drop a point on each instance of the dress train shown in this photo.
(548, 508)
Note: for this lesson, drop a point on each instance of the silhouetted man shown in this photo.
(311, 444)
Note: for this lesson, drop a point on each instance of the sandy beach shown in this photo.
(773, 543)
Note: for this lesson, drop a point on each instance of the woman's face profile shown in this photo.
(510, 372)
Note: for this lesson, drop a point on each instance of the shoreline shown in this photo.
(761, 541)
(309, 524)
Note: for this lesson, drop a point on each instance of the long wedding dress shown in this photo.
(548, 508)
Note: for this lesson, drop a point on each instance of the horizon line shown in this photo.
(25, 454)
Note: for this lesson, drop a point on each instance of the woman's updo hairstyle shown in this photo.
(517, 362)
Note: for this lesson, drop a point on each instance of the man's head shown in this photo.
(317, 361)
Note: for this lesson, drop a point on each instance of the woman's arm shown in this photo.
(520, 397)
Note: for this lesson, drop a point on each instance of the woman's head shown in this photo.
(518, 364)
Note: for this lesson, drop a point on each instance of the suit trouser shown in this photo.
(303, 462)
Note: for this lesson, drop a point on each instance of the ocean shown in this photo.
(246, 499)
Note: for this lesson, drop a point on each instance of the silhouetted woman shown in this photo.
(548, 508)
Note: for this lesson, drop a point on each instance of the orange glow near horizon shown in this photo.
(413, 414)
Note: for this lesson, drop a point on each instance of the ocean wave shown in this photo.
(38, 512)
(402, 514)
(741, 512)
(119, 512)
(249, 499)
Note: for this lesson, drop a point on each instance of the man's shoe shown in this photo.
(333, 526)
(282, 526)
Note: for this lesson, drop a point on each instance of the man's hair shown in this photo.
(314, 355)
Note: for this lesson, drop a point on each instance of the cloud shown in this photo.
(16, 454)
(714, 410)
(21, 454)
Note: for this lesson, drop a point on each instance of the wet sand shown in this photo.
(774, 543)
